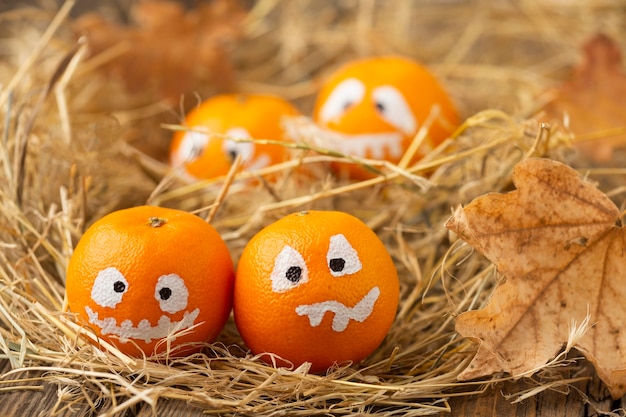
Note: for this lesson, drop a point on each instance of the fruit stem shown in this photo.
(156, 221)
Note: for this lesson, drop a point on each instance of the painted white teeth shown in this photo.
(377, 144)
(143, 331)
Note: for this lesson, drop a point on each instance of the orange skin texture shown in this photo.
(184, 244)
(267, 320)
(418, 86)
(260, 115)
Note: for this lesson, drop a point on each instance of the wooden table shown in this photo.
(587, 398)
(42, 398)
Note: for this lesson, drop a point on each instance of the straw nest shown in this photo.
(63, 166)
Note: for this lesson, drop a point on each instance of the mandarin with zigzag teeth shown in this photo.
(374, 107)
(151, 279)
(317, 287)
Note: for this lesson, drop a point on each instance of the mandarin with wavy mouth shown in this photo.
(316, 287)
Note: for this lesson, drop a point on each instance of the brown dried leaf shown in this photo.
(561, 245)
(593, 99)
(169, 51)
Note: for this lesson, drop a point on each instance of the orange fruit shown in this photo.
(374, 107)
(315, 286)
(142, 275)
(206, 155)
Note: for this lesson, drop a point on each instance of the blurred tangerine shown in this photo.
(207, 152)
(374, 107)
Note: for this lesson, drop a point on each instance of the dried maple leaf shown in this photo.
(593, 99)
(169, 51)
(562, 247)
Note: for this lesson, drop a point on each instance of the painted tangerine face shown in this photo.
(373, 108)
(115, 299)
(331, 293)
(151, 279)
(291, 271)
(210, 148)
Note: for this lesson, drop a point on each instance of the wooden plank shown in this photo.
(585, 399)
(38, 400)
(493, 403)
(171, 408)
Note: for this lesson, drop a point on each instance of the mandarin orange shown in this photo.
(149, 279)
(206, 152)
(373, 108)
(317, 287)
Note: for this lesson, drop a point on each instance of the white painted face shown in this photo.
(191, 147)
(343, 314)
(170, 291)
(291, 271)
(393, 108)
(347, 94)
(247, 150)
(377, 144)
(386, 102)
(195, 142)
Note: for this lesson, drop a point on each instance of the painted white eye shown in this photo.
(341, 258)
(392, 106)
(171, 293)
(109, 287)
(289, 271)
(232, 149)
(348, 93)
(191, 147)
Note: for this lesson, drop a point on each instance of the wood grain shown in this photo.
(40, 398)
(171, 408)
(32, 398)
(585, 399)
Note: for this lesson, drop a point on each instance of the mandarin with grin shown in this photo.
(317, 287)
(208, 150)
(148, 279)
(374, 107)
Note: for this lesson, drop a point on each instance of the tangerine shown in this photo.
(373, 108)
(151, 278)
(317, 287)
(209, 154)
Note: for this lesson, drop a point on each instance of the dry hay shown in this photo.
(61, 168)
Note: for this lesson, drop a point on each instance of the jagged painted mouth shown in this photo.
(343, 314)
(377, 145)
(144, 330)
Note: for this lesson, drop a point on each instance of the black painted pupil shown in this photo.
(337, 264)
(119, 286)
(293, 274)
(232, 154)
(196, 150)
(380, 107)
(165, 293)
